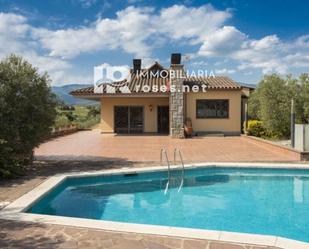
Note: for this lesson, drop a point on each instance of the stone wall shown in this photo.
(177, 104)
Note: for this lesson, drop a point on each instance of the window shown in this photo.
(128, 119)
(212, 108)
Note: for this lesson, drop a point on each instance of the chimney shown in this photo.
(175, 59)
(137, 64)
(177, 104)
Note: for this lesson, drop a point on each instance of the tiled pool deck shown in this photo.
(91, 150)
(41, 235)
(32, 235)
(92, 145)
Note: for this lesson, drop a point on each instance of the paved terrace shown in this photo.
(91, 150)
(36, 236)
(92, 145)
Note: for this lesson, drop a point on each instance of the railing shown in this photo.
(164, 154)
(182, 165)
(163, 151)
(63, 130)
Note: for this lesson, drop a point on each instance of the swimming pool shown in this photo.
(246, 200)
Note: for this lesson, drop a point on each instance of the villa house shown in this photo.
(159, 100)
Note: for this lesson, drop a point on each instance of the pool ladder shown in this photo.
(164, 153)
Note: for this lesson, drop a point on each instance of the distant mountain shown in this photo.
(63, 93)
(251, 86)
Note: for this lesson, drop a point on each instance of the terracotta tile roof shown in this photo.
(137, 84)
(218, 82)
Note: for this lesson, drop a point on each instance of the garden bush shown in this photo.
(255, 128)
(271, 103)
(27, 113)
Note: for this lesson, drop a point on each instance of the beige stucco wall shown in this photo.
(150, 125)
(229, 125)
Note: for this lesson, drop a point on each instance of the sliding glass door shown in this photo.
(121, 114)
(136, 119)
(129, 119)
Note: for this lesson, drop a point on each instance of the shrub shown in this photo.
(93, 111)
(70, 116)
(9, 163)
(61, 120)
(271, 102)
(255, 128)
(27, 112)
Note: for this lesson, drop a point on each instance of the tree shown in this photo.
(254, 105)
(93, 111)
(275, 105)
(27, 112)
(70, 116)
(271, 102)
(302, 108)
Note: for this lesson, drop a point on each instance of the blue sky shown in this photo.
(238, 38)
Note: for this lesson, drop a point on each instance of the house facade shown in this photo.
(156, 102)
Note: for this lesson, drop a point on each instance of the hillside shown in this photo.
(63, 93)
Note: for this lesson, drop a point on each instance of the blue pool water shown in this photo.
(263, 201)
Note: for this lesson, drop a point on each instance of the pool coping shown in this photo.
(14, 211)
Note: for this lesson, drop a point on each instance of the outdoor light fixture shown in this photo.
(150, 108)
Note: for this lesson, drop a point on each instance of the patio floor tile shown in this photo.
(92, 145)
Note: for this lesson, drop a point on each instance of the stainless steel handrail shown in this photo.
(182, 164)
(163, 151)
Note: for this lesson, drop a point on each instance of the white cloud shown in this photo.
(128, 31)
(62, 77)
(266, 43)
(15, 37)
(134, 30)
(87, 3)
(199, 63)
(222, 42)
(13, 29)
(138, 31)
(269, 54)
(180, 21)
(225, 71)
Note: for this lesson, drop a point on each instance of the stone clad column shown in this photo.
(176, 101)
